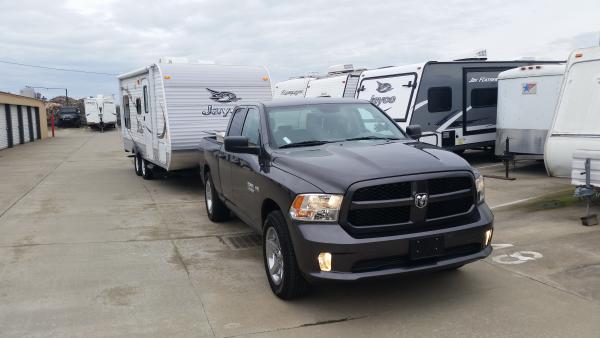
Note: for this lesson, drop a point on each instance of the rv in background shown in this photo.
(576, 124)
(453, 102)
(100, 112)
(292, 88)
(168, 107)
(527, 99)
(340, 81)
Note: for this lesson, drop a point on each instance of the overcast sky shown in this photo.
(290, 38)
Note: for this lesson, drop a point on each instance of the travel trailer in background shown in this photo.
(100, 112)
(454, 102)
(292, 88)
(168, 107)
(340, 81)
(527, 99)
(576, 124)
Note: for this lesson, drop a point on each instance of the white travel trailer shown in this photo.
(169, 107)
(292, 88)
(100, 112)
(454, 102)
(527, 99)
(576, 124)
(340, 81)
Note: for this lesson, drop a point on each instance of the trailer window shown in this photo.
(138, 105)
(145, 89)
(237, 121)
(484, 97)
(126, 112)
(251, 126)
(439, 99)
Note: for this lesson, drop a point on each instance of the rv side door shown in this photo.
(147, 120)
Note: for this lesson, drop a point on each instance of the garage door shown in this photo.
(34, 122)
(26, 120)
(15, 124)
(3, 128)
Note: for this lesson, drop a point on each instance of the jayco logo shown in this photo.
(383, 87)
(292, 92)
(222, 97)
(377, 100)
(482, 79)
(224, 112)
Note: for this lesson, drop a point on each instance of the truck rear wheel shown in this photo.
(215, 208)
(137, 165)
(282, 270)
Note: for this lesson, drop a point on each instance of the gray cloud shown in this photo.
(291, 38)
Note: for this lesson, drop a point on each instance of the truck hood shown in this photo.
(334, 167)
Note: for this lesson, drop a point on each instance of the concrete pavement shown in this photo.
(89, 249)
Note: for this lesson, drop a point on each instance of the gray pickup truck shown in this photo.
(340, 193)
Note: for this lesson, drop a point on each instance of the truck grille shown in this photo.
(388, 205)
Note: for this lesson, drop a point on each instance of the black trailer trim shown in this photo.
(9, 126)
(412, 92)
(21, 129)
(37, 123)
(30, 124)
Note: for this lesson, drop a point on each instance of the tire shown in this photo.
(137, 165)
(147, 173)
(215, 208)
(286, 283)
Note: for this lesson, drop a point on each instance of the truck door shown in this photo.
(227, 159)
(246, 171)
(391, 93)
(147, 121)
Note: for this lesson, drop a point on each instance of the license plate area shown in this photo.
(428, 247)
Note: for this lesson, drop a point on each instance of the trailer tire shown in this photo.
(147, 172)
(215, 208)
(284, 275)
(137, 165)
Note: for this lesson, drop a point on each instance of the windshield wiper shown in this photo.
(371, 138)
(303, 144)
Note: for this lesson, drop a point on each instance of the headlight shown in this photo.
(316, 207)
(480, 187)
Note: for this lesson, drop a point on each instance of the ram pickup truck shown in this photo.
(340, 193)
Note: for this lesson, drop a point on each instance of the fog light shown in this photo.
(325, 261)
(488, 237)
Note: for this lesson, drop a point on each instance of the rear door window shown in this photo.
(237, 122)
(251, 126)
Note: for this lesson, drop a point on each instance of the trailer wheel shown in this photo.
(137, 165)
(282, 269)
(147, 173)
(215, 208)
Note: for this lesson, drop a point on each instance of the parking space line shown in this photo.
(528, 199)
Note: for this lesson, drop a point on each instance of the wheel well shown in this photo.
(205, 170)
(268, 206)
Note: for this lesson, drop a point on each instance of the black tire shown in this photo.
(292, 284)
(147, 172)
(137, 165)
(215, 208)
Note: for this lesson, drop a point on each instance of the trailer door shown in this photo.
(480, 100)
(148, 130)
(391, 93)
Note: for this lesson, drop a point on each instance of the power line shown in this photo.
(58, 69)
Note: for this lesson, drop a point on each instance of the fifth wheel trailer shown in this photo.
(576, 124)
(454, 102)
(169, 107)
(100, 112)
(527, 99)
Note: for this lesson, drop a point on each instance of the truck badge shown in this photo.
(421, 200)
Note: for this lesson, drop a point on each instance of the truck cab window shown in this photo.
(126, 112)
(484, 97)
(237, 121)
(252, 126)
(138, 105)
(439, 99)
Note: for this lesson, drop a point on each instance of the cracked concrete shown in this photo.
(89, 249)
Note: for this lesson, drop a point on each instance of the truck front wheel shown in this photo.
(282, 270)
(215, 208)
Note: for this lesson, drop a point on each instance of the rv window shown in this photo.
(251, 126)
(439, 99)
(235, 129)
(138, 105)
(484, 97)
(126, 112)
(145, 89)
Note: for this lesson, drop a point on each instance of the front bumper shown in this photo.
(375, 257)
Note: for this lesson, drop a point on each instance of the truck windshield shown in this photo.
(314, 124)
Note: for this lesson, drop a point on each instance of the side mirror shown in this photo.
(414, 131)
(239, 144)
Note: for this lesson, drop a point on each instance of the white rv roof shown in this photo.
(532, 71)
(417, 67)
(185, 69)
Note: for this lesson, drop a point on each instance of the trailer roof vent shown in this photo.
(480, 55)
(173, 59)
(344, 68)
